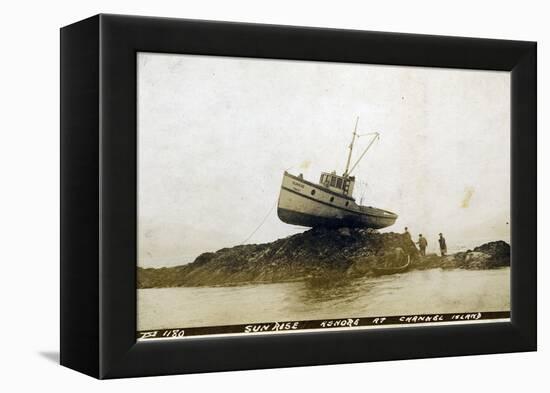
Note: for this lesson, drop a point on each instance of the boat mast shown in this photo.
(351, 147)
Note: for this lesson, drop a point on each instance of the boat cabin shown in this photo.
(341, 184)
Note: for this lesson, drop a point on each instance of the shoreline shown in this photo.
(317, 253)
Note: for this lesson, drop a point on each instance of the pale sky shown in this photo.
(216, 133)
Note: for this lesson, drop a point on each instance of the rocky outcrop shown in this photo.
(316, 252)
(487, 256)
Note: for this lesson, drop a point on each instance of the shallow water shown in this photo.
(418, 292)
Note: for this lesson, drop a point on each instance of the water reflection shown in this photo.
(324, 289)
(432, 291)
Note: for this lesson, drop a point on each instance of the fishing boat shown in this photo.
(330, 202)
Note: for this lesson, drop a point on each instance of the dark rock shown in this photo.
(344, 232)
(498, 252)
(318, 252)
(476, 260)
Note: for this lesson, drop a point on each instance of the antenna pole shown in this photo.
(351, 146)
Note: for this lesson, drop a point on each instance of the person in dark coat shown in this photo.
(422, 244)
(407, 233)
(442, 245)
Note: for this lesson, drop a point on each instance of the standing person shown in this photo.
(407, 233)
(422, 244)
(442, 245)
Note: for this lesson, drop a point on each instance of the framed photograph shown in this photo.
(239, 196)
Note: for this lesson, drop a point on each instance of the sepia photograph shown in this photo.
(280, 196)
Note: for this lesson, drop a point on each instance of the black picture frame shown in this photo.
(98, 196)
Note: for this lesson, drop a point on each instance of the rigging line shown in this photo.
(261, 223)
(375, 138)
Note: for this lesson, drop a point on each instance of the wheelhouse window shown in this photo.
(332, 180)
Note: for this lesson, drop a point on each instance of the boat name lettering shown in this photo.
(297, 184)
(271, 327)
(348, 322)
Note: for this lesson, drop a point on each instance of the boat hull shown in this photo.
(312, 205)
